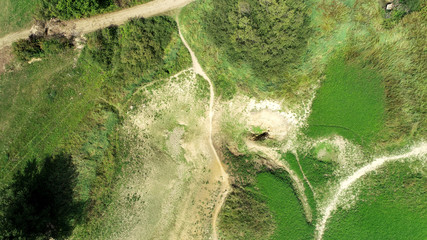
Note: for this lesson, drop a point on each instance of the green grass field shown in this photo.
(391, 205)
(41, 105)
(293, 163)
(15, 15)
(283, 203)
(350, 103)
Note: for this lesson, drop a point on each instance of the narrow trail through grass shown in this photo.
(297, 182)
(305, 177)
(349, 181)
(223, 176)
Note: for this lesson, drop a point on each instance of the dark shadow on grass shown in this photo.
(39, 203)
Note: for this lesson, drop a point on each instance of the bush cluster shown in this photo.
(135, 52)
(270, 35)
(35, 47)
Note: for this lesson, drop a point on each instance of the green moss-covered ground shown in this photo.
(391, 205)
(285, 206)
(350, 103)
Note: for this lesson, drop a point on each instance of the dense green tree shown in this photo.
(34, 47)
(102, 45)
(39, 203)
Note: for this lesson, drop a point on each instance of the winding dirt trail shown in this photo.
(83, 26)
(222, 175)
(305, 177)
(346, 183)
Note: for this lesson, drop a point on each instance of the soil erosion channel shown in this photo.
(346, 183)
(222, 175)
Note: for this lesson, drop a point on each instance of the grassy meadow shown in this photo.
(16, 15)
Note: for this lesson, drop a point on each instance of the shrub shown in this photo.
(25, 49)
(270, 35)
(142, 43)
(133, 50)
(34, 47)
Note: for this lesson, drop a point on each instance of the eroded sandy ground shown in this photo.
(171, 188)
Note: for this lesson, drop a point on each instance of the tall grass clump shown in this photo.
(72, 9)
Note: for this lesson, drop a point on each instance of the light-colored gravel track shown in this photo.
(219, 169)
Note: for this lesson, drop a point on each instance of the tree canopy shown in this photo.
(39, 203)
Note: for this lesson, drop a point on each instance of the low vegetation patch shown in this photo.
(76, 106)
(318, 172)
(287, 211)
(269, 35)
(136, 53)
(244, 215)
(253, 48)
(263, 203)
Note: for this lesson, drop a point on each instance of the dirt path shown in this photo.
(305, 177)
(297, 182)
(346, 183)
(222, 175)
(83, 26)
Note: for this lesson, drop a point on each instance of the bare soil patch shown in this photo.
(6, 57)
